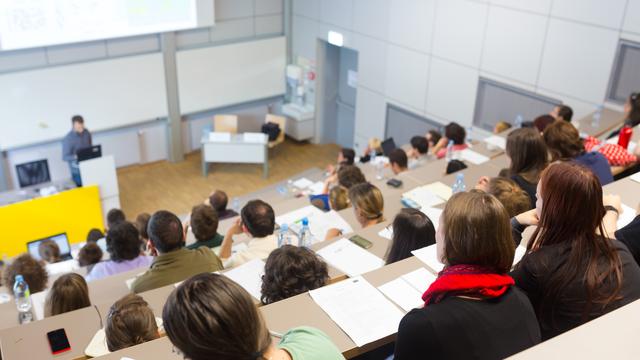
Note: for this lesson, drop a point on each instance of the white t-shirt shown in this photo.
(257, 248)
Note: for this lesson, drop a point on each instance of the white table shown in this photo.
(236, 149)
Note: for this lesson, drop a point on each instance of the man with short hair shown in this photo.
(258, 221)
(419, 152)
(398, 161)
(115, 216)
(204, 225)
(173, 262)
(562, 112)
(78, 138)
(219, 200)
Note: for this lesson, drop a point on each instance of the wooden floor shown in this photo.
(178, 186)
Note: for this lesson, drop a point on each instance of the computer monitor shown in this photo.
(89, 153)
(33, 173)
(60, 239)
(388, 146)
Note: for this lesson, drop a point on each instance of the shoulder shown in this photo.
(309, 343)
(421, 320)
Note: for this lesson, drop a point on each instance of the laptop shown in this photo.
(89, 153)
(60, 239)
(388, 146)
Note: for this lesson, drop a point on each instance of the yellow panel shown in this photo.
(73, 211)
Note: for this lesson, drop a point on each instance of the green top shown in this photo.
(211, 243)
(176, 266)
(307, 343)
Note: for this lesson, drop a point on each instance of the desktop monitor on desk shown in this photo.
(89, 153)
(60, 239)
(33, 173)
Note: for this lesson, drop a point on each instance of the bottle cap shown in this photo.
(284, 227)
(460, 176)
(305, 221)
(19, 278)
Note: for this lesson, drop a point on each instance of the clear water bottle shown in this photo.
(459, 185)
(379, 170)
(595, 119)
(284, 237)
(290, 187)
(470, 134)
(306, 239)
(235, 204)
(23, 299)
(518, 122)
(449, 154)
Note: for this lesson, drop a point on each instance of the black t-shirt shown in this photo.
(530, 188)
(534, 271)
(459, 328)
(630, 236)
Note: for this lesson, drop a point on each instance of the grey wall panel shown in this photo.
(77, 52)
(402, 125)
(133, 45)
(23, 59)
(269, 25)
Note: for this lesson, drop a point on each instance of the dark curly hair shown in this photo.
(32, 270)
(123, 242)
(292, 270)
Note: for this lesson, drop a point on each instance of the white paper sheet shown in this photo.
(497, 141)
(428, 255)
(635, 177)
(219, 136)
(359, 310)
(434, 215)
(37, 302)
(316, 188)
(443, 191)
(402, 293)
(420, 279)
(252, 137)
(627, 216)
(350, 258)
(302, 183)
(473, 157)
(319, 221)
(423, 197)
(386, 233)
(249, 276)
(520, 251)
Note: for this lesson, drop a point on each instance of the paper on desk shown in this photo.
(317, 188)
(627, 216)
(302, 183)
(442, 190)
(403, 294)
(220, 136)
(350, 258)
(433, 214)
(423, 197)
(520, 251)
(635, 177)
(254, 137)
(249, 276)
(319, 222)
(498, 141)
(420, 279)
(359, 310)
(428, 255)
(386, 233)
(473, 157)
(37, 301)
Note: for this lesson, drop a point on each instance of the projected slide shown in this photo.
(33, 23)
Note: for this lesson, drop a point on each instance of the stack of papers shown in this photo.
(249, 276)
(428, 196)
(316, 188)
(251, 137)
(319, 222)
(406, 291)
(359, 310)
(428, 255)
(497, 141)
(635, 177)
(302, 183)
(473, 157)
(387, 232)
(350, 258)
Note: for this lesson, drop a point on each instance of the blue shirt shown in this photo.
(598, 164)
(73, 142)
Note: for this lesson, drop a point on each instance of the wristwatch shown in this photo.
(608, 208)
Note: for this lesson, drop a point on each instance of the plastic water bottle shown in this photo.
(379, 170)
(449, 154)
(470, 134)
(595, 119)
(306, 239)
(23, 299)
(290, 187)
(284, 237)
(235, 204)
(518, 122)
(459, 185)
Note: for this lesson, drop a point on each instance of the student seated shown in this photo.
(501, 126)
(68, 293)
(513, 198)
(339, 198)
(142, 220)
(219, 200)
(346, 156)
(125, 251)
(542, 121)
(528, 156)
(32, 270)
(412, 230)
(347, 177)
(472, 310)
(452, 132)
(433, 137)
(374, 147)
(204, 224)
(398, 161)
(89, 255)
(615, 154)
(630, 236)
(631, 113)
(368, 206)
(258, 221)
(419, 153)
(172, 262)
(49, 252)
(571, 273)
(130, 322)
(211, 317)
(94, 235)
(564, 143)
(115, 216)
(292, 270)
(562, 113)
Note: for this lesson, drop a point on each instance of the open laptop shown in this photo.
(60, 239)
(89, 153)
(388, 146)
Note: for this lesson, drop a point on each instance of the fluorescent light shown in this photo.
(335, 38)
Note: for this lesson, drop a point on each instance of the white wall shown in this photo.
(427, 55)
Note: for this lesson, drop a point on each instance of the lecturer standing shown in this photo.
(78, 138)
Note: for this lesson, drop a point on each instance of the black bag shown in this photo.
(272, 130)
(454, 166)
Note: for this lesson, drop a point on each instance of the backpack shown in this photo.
(272, 130)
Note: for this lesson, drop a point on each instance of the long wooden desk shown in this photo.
(609, 120)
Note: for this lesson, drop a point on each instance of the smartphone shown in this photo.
(360, 241)
(58, 341)
(394, 183)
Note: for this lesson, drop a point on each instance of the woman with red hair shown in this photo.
(573, 271)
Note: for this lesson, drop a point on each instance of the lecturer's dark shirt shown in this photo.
(73, 142)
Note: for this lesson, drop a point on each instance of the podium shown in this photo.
(102, 172)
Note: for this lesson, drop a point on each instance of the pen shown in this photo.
(276, 334)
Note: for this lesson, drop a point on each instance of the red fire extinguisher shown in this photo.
(625, 136)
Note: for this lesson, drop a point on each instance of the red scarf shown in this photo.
(467, 280)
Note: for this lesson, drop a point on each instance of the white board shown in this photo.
(36, 106)
(226, 75)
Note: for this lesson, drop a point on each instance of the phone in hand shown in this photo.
(58, 341)
(360, 241)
